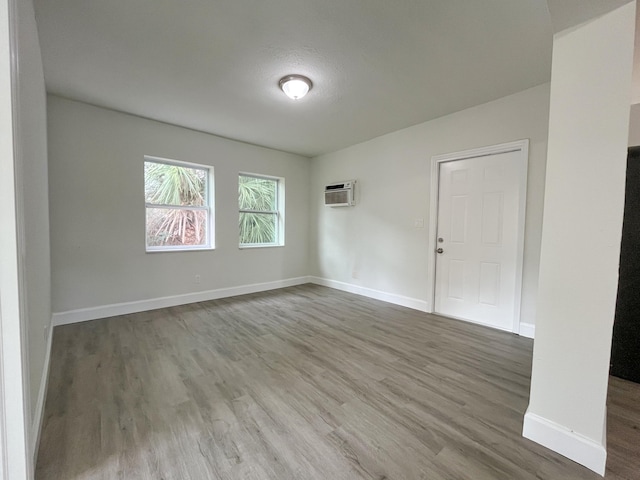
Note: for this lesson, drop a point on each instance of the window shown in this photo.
(261, 203)
(178, 208)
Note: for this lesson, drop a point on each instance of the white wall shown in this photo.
(98, 215)
(25, 272)
(635, 76)
(374, 244)
(584, 201)
(634, 125)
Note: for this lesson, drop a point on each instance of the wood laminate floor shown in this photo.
(302, 383)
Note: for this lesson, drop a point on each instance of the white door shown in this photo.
(477, 274)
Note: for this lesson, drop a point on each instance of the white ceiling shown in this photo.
(568, 13)
(214, 65)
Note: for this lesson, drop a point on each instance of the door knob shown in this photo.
(440, 250)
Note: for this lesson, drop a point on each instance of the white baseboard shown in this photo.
(38, 417)
(559, 438)
(527, 330)
(104, 311)
(409, 302)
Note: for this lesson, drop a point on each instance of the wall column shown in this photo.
(583, 209)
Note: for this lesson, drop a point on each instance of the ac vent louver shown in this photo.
(340, 194)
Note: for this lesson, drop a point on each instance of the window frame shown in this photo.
(209, 243)
(278, 212)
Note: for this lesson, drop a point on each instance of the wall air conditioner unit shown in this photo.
(340, 194)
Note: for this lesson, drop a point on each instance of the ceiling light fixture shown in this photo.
(295, 86)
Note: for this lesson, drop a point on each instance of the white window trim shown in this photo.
(209, 196)
(278, 212)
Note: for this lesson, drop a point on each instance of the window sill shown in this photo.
(249, 247)
(179, 250)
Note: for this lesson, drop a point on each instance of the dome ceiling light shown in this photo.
(295, 86)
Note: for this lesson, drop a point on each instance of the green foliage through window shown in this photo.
(259, 214)
(176, 204)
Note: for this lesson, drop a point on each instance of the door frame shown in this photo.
(520, 146)
(15, 418)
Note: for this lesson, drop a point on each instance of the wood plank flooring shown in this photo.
(302, 383)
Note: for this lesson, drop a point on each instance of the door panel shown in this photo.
(478, 225)
(458, 219)
(492, 218)
(456, 280)
(489, 283)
